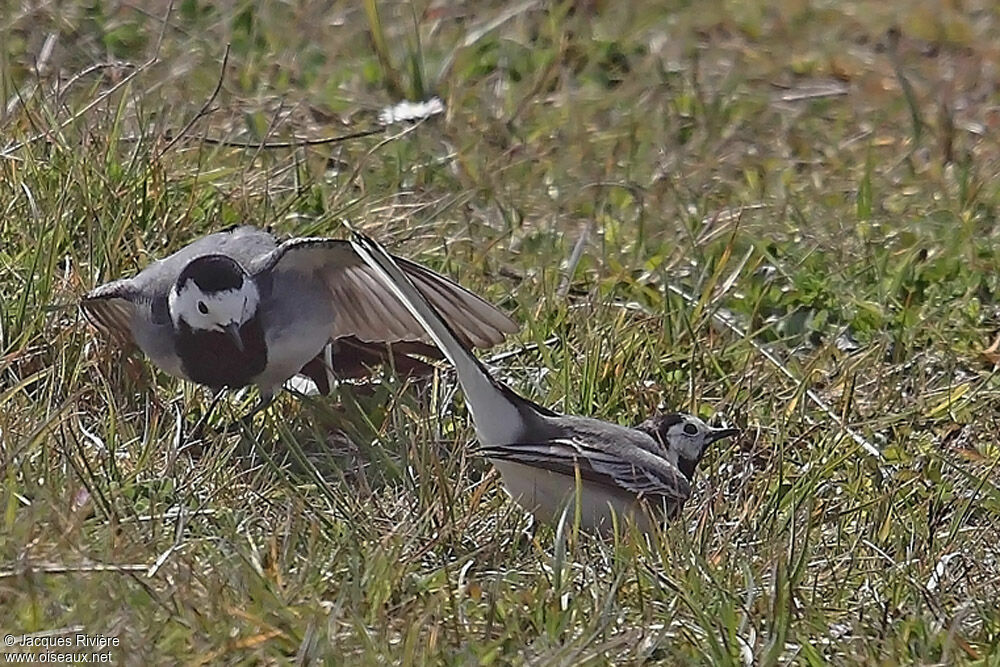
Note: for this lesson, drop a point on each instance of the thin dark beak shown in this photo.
(233, 331)
(720, 433)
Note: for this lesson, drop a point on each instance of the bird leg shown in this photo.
(199, 428)
(234, 426)
(246, 420)
(331, 379)
(265, 400)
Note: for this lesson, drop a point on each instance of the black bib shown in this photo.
(212, 359)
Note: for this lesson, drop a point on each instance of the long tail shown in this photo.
(493, 406)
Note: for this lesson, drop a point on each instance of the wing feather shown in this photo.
(111, 308)
(640, 472)
(368, 310)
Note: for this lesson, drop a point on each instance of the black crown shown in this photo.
(213, 273)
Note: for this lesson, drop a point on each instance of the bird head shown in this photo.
(684, 437)
(214, 293)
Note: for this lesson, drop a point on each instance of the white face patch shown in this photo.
(213, 311)
(688, 437)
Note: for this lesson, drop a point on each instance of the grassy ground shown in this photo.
(821, 175)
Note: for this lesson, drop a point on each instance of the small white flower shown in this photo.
(405, 111)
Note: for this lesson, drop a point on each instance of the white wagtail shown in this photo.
(541, 454)
(237, 307)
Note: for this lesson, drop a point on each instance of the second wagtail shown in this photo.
(644, 472)
(238, 308)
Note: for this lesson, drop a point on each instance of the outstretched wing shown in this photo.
(367, 310)
(111, 309)
(640, 472)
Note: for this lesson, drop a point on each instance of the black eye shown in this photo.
(690, 429)
(202, 308)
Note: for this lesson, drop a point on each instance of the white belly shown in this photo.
(297, 324)
(545, 494)
(288, 350)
